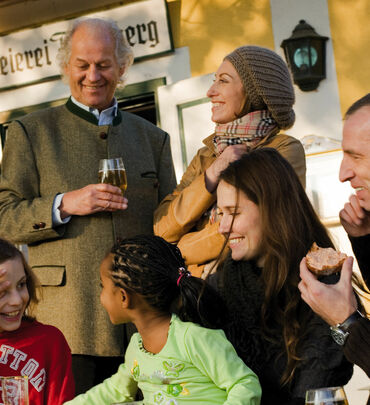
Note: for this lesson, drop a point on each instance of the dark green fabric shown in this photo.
(88, 116)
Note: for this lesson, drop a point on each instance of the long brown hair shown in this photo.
(289, 226)
(8, 252)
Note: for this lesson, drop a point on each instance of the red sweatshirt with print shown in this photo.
(40, 352)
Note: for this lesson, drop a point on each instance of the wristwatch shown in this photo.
(340, 332)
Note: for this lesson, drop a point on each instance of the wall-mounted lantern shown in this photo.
(305, 53)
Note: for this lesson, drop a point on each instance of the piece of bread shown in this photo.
(324, 261)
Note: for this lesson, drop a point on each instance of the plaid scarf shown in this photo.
(248, 130)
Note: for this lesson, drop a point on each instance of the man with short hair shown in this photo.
(50, 199)
(337, 303)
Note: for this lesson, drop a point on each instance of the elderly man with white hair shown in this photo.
(50, 198)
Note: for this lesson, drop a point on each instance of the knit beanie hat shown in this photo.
(267, 82)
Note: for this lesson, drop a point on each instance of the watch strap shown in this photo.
(350, 320)
(340, 331)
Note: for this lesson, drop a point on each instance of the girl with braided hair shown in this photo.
(270, 225)
(179, 356)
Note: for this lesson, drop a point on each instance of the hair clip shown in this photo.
(183, 272)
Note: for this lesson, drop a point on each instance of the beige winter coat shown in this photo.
(182, 217)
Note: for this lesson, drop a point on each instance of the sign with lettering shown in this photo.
(28, 57)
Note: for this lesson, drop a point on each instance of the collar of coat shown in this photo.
(88, 116)
(210, 145)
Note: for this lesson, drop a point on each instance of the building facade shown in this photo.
(168, 85)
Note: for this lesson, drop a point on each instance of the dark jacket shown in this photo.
(323, 363)
(357, 346)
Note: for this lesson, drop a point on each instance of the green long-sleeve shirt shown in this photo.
(196, 366)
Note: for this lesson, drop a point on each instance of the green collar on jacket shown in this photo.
(88, 116)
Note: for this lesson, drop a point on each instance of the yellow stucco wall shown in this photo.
(350, 32)
(213, 28)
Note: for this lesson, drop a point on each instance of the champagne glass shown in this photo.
(112, 171)
(326, 396)
(15, 390)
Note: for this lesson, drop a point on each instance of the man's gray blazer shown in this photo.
(58, 150)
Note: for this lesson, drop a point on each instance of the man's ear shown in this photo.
(125, 298)
(122, 70)
(66, 70)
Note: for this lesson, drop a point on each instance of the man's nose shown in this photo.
(93, 73)
(345, 172)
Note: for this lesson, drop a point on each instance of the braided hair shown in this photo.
(154, 268)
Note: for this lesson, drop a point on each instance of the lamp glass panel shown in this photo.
(302, 56)
(319, 68)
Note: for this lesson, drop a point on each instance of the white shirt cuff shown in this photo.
(57, 220)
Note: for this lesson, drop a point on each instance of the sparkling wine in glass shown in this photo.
(112, 171)
(326, 396)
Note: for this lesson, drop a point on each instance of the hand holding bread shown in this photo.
(324, 261)
(332, 302)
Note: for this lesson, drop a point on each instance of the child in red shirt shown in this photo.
(28, 347)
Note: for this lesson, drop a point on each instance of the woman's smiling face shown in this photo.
(246, 230)
(227, 94)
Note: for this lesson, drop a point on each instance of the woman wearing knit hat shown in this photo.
(252, 101)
